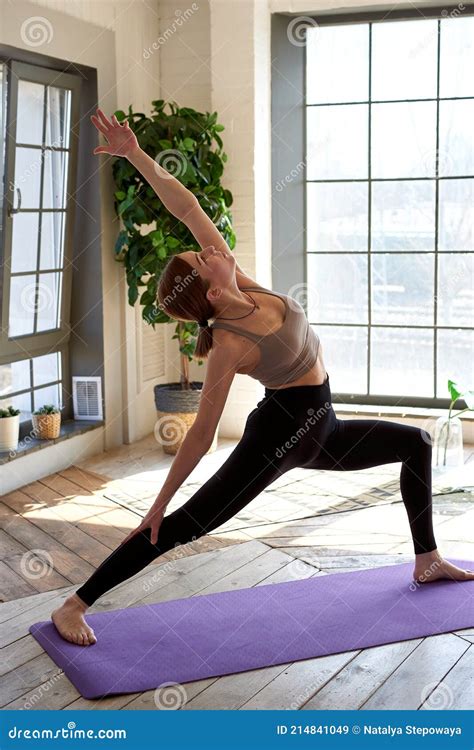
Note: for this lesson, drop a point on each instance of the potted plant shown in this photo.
(187, 144)
(46, 422)
(9, 428)
(448, 441)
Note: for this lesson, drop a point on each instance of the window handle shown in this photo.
(11, 209)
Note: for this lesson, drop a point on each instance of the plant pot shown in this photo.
(46, 426)
(9, 433)
(448, 443)
(176, 410)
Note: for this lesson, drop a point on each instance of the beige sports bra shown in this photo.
(286, 354)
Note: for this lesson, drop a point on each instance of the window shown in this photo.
(387, 237)
(38, 164)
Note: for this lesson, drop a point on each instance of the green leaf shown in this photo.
(454, 391)
(132, 294)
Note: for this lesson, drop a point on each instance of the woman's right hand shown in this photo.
(121, 140)
(151, 521)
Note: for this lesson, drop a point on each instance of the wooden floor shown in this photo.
(54, 532)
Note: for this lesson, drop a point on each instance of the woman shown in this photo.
(294, 425)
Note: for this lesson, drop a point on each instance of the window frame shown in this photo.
(35, 344)
(289, 215)
(13, 349)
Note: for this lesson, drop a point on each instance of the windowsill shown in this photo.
(70, 428)
(398, 411)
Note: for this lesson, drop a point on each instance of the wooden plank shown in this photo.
(19, 653)
(84, 478)
(364, 674)
(455, 691)
(51, 694)
(68, 534)
(67, 564)
(426, 665)
(169, 696)
(26, 676)
(11, 610)
(33, 567)
(12, 584)
(293, 686)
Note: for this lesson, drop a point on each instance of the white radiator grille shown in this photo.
(87, 397)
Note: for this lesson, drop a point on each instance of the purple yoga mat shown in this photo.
(141, 648)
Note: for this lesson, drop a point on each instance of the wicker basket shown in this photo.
(46, 426)
(176, 411)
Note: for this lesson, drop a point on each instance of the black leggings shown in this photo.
(291, 427)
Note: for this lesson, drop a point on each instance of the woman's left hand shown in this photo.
(121, 140)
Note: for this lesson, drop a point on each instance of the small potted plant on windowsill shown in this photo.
(9, 428)
(46, 422)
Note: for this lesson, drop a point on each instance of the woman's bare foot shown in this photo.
(430, 566)
(70, 623)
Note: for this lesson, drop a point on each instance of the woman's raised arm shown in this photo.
(121, 141)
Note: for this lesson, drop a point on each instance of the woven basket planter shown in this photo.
(46, 426)
(176, 411)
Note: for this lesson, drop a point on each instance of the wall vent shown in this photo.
(87, 397)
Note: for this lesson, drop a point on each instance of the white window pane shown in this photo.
(49, 395)
(55, 179)
(337, 142)
(456, 291)
(403, 215)
(24, 242)
(455, 358)
(401, 362)
(14, 377)
(457, 56)
(456, 215)
(456, 138)
(29, 124)
(337, 288)
(48, 298)
(337, 64)
(52, 239)
(404, 59)
(345, 355)
(46, 369)
(402, 289)
(22, 402)
(28, 176)
(337, 216)
(58, 116)
(404, 139)
(22, 305)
